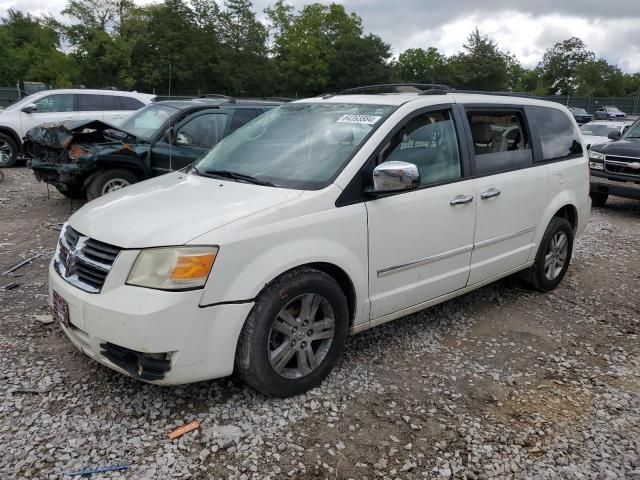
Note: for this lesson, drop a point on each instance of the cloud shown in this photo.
(526, 28)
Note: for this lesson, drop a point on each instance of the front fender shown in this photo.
(244, 266)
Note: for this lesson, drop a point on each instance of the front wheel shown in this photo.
(553, 257)
(8, 151)
(294, 334)
(109, 181)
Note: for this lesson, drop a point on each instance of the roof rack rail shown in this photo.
(502, 94)
(398, 88)
(220, 96)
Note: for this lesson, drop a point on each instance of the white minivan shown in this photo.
(47, 106)
(321, 218)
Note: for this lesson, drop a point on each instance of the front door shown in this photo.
(192, 137)
(511, 191)
(420, 241)
(57, 107)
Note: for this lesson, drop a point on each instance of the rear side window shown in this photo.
(559, 137)
(111, 102)
(128, 103)
(242, 116)
(500, 140)
(90, 103)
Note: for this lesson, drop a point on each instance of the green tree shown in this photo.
(421, 66)
(560, 64)
(599, 79)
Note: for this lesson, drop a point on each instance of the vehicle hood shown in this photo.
(60, 135)
(595, 139)
(625, 147)
(173, 209)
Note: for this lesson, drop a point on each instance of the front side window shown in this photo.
(55, 103)
(558, 135)
(297, 145)
(146, 121)
(429, 141)
(500, 140)
(202, 131)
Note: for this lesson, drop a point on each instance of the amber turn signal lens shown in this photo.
(189, 267)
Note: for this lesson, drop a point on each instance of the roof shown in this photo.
(452, 96)
(212, 102)
(95, 92)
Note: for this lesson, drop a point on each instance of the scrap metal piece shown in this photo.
(21, 264)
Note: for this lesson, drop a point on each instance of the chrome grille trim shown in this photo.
(622, 165)
(82, 261)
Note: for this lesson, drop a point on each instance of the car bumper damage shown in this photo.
(66, 154)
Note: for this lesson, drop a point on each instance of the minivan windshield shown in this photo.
(298, 145)
(146, 121)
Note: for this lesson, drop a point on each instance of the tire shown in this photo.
(8, 151)
(73, 193)
(109, 181)
(599, 199)
(545, 277)
(271, 356)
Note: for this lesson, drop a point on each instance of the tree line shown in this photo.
(204, 46)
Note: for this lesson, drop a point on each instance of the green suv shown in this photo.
(89, 158)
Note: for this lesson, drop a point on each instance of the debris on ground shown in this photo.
(97, 470)
(21, 264)
(178, 432)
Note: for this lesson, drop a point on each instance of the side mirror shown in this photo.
(30, 108)
(394, 176)
(614, 135)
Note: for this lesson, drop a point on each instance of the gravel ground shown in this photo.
(500, 383)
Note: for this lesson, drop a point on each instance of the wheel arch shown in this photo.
(13, 135)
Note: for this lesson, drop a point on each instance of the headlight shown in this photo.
(75, 152)
(596, 165)
(596, 156)
(173, 268)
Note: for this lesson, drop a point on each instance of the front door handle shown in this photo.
(461, 200)
(491, 193)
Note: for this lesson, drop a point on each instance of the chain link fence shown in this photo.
(629, 105)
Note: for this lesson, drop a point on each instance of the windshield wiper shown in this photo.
(234, 176)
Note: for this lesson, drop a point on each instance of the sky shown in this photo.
(526, 28)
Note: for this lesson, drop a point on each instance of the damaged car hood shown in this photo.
(60, 134)
(173, 209)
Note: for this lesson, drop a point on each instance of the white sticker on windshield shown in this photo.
(365, 119)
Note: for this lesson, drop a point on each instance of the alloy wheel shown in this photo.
(114, 184)
(5, 153)
(556, 255)
(301, 336)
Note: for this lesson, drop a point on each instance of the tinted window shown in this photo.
(558, 135)
(242, 116)
(55, 103)
(429, 141)
(128, 103)
(500, 140)
(90, 103)
(111, 102)
(202, 131)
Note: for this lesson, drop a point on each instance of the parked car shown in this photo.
(609, 113)
(598, 131)
(323, 217)
(90, 159)
(62, 105)
(581, 115)
(615, 166)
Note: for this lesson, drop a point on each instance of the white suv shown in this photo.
(110, 106)
(323, 217)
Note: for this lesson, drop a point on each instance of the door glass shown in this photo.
(90, 103)
(128, 103)
(500, 140)
(430, 142)
(202, 131)
(242, 116)
(55, 103)
(111, 103)
(558, 135)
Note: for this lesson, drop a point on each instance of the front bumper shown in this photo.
(63, 175)
(615, 185)
(130, 329)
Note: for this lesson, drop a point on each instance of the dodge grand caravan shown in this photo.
(318, 219)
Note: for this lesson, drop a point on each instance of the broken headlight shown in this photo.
(75, 152)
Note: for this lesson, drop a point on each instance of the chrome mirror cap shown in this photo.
(395, 177)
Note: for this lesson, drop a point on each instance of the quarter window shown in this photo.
(558, 135)
(500, 140)
(202, 131)
(128, 103)
(55, 103)
(429, 141)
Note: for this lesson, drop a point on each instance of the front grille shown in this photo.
(83, 261)
(622, 165)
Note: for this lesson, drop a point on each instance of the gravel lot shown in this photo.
(500, 383)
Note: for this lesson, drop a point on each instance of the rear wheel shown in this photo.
(109, 181)
(294, 334)
(8, 151)
(599, 199)
(553, 257)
